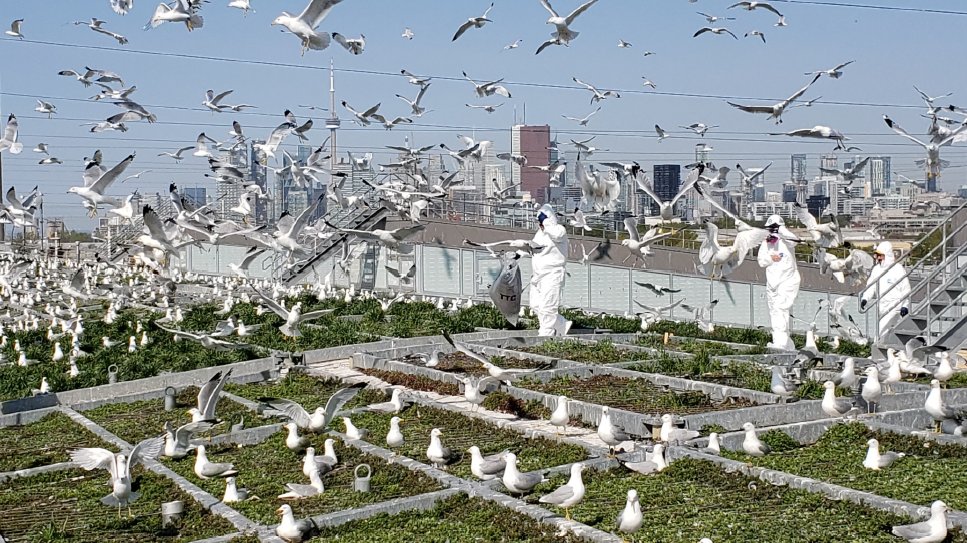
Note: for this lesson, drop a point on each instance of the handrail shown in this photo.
(921, 263)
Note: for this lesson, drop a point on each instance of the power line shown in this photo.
(452, 78)
(930, 11)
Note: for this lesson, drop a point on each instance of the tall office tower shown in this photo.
(531, 142)
(667, 179)
(879, 174)
(829, 162)
(256, 173)
(798, 172)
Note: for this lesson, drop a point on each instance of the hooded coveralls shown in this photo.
(548, 275)
(881, 279)
(782, 281)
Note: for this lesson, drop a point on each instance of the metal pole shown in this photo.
(3, 229)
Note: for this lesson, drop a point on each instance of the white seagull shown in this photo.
(304, 25)
(776, 110)
(474, 22)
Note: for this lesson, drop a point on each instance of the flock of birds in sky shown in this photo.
(149, 279)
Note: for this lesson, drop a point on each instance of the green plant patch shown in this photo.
(693, 499)
(457, 519)
(636, 395)
(459, 433)
(929, 472)
(529, 409)
(136, 421)
(691, 346)
(65, 507)
(615, 323)
(600, 352)
(413, 382)
(266, 468)
(47, 441)
(736, 373)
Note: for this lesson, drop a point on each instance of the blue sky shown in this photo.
(889, 47)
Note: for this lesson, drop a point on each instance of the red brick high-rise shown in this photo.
(532, 142)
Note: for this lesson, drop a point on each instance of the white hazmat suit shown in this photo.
(895, 302)
(548, 274)
(777, 255)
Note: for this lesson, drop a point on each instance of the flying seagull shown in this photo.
(775, 111)
(304, 25)
(474, 22)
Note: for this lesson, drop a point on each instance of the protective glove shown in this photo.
(904, 312)
(862, 304)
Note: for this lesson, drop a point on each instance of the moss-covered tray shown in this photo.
(47, 441)
(600, 352)
(457, 519)
(691, 346)
(264, 469)
(413, 382)
(929, 471)
(459, 433)
(636, 395)
(735, 373)
(459, 362)
(693, 499)
(135, 421)
(65, 507)
(310, 392)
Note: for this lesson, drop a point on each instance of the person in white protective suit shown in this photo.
(894, 302)
(548, 273)
(777, 255)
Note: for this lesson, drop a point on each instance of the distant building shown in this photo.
(790, 192)
(256, 173)
(879, 175)
(531, 142)
(817, 204)
(962, 191)
(667, 180)
(798, 172)
(829, 162)
(198, 195)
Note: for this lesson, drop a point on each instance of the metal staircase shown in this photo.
(937, 303)
(352, 218)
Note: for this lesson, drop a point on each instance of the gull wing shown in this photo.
(291, 409)
(460, 347)
(899, 130)
(208, 394)
(547, 6)
(717, 205)
(148, 449)
(404, 233)
(805, 217)
(752, 109)
(220, 97)
(316, 11)
(315, 314)
(690, 181)
(340, 398)
(10, 131)
(799, 92)
(747, 240)
(631, 225)
(153, 223)
(463, 28)
(111, 175)
(183, 433)
(180, 333)
(646, 188)
(273, 305)
(558, 496)
(579, 10)
(91, 458)
(303, 218)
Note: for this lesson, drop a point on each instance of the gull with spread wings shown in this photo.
(304, 25)
(321, 417)
(776, 110)
(293, 317)
(119, 465)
